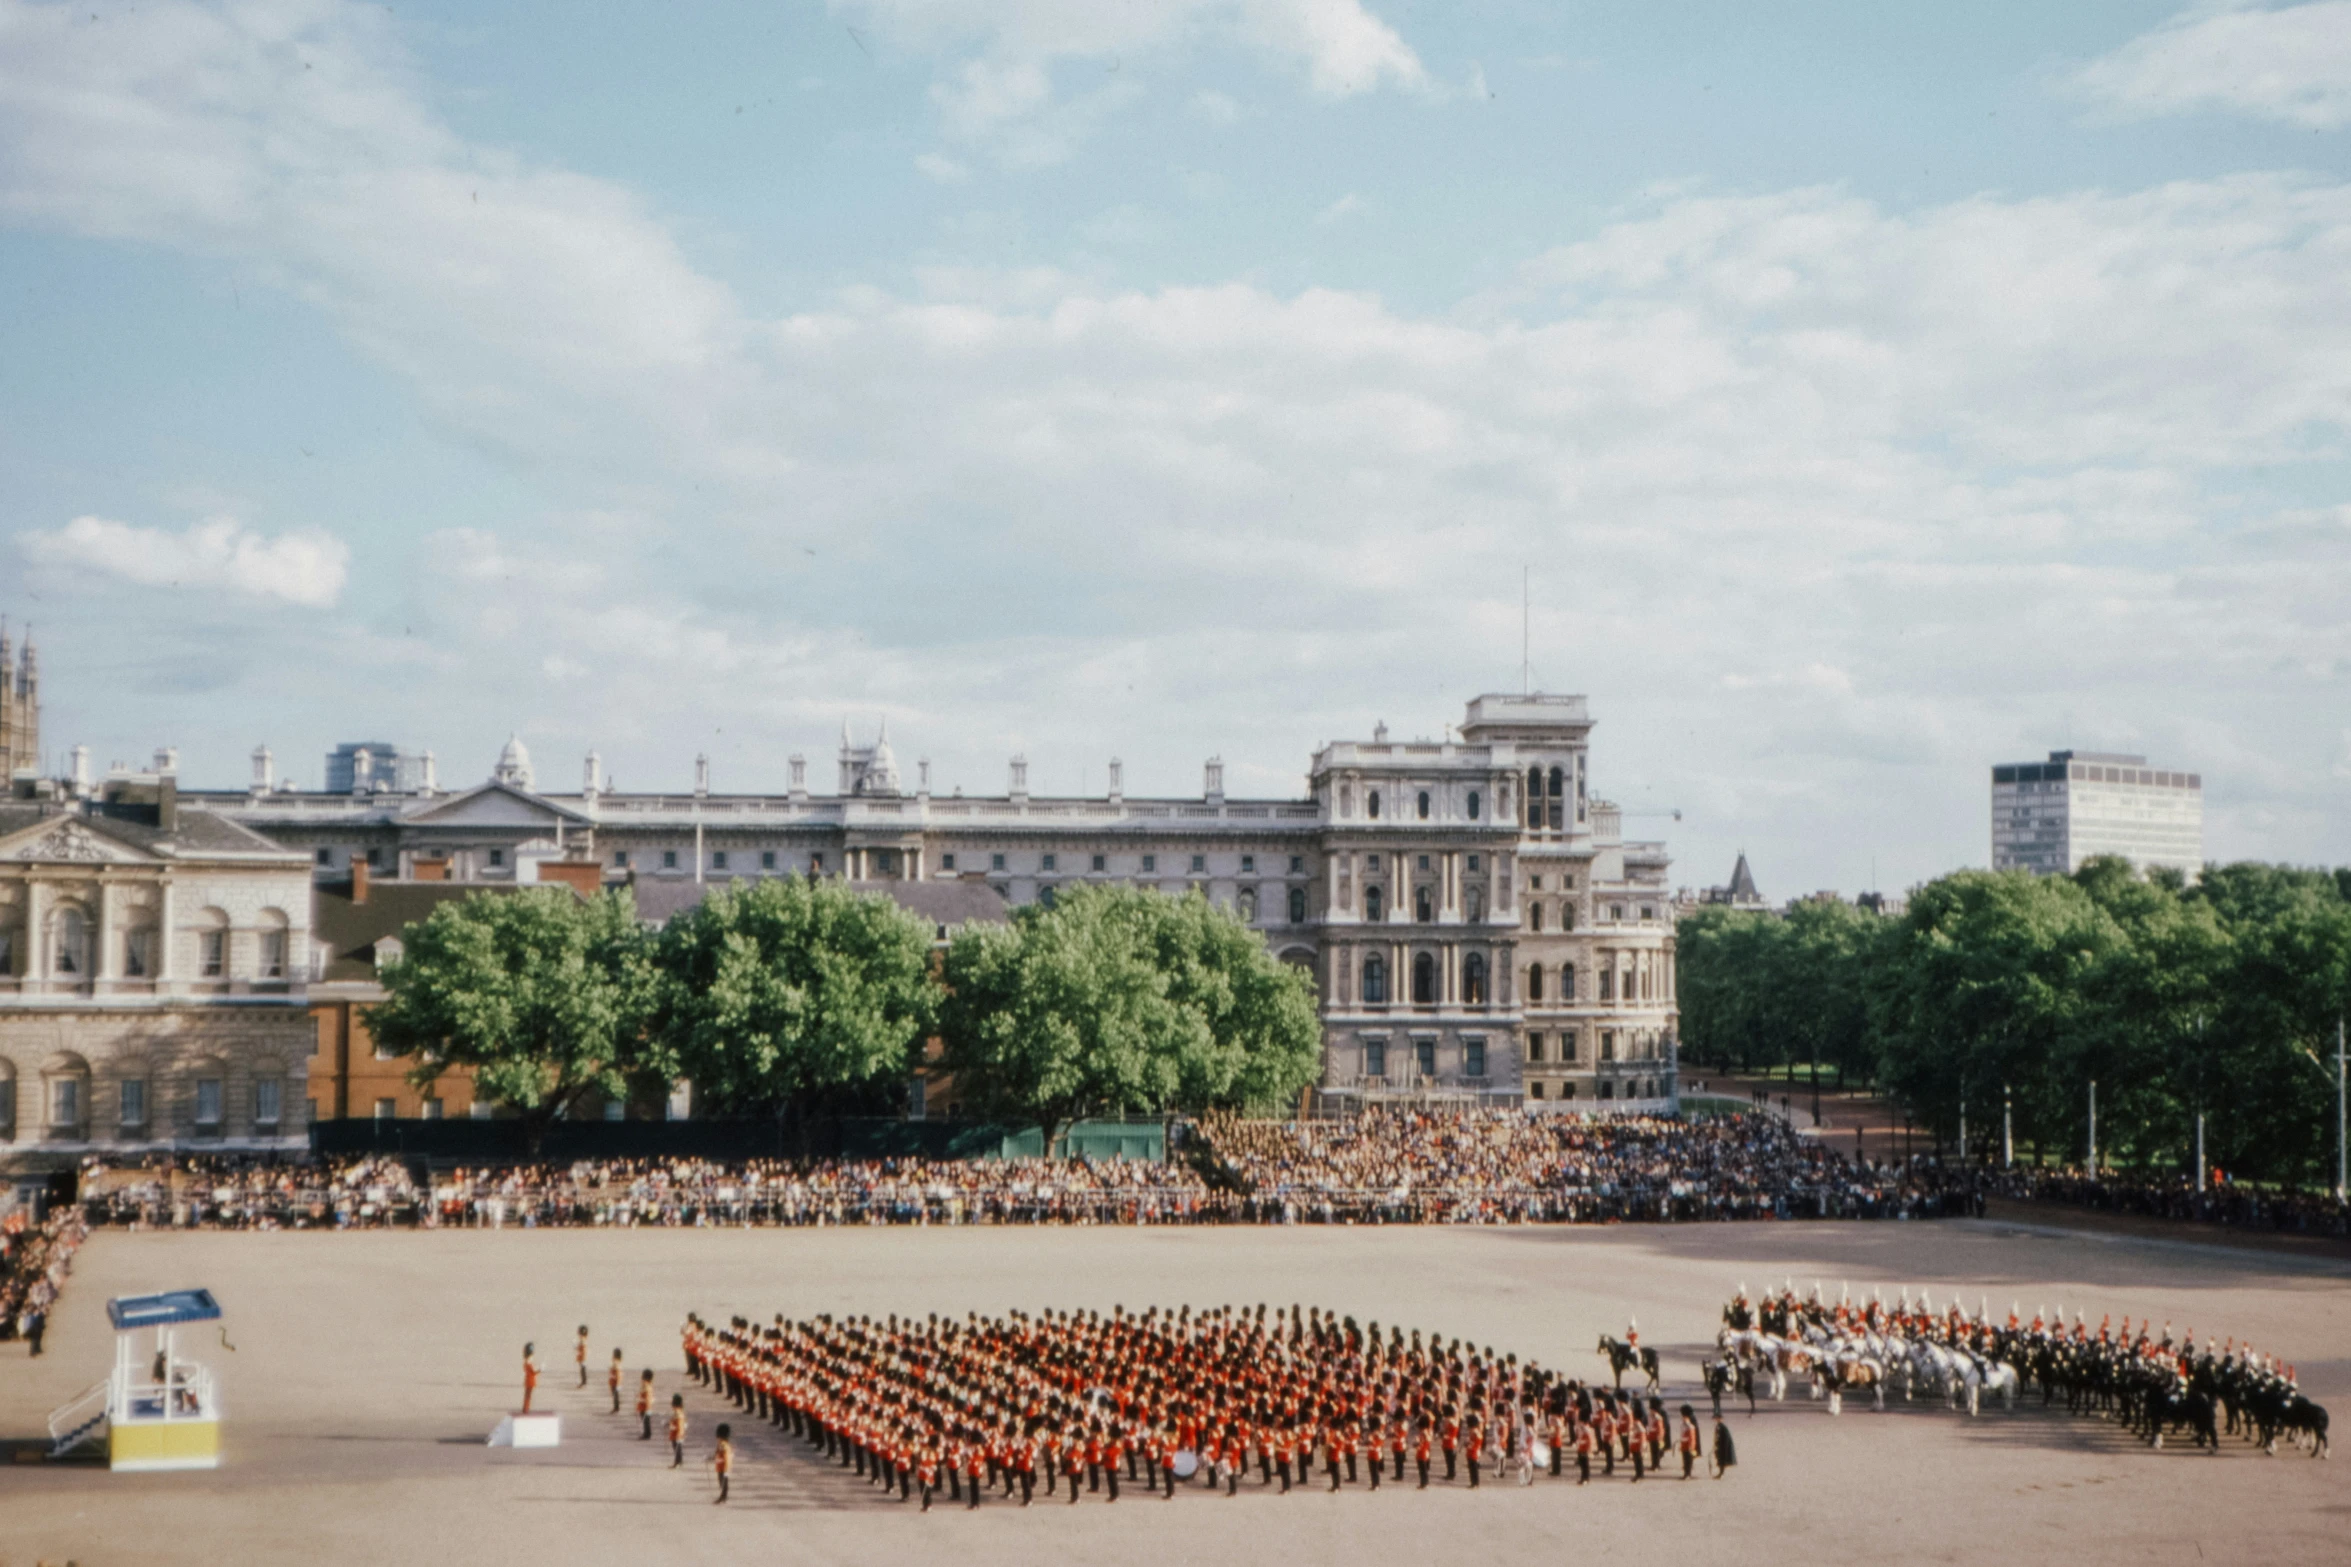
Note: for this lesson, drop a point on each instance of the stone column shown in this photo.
(101, 953)
(167, 935)
(36, 937)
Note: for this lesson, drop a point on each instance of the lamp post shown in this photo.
(2093, 1128)
(2007, 1129)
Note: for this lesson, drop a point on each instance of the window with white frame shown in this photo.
(268, 1099)
(132, 1097)
(208, 1104)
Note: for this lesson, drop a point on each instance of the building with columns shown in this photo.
(1476, 926)
(153, 964)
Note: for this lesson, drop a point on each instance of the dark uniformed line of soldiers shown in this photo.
(1083, 1400)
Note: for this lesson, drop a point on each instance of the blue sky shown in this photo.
(1872, 392)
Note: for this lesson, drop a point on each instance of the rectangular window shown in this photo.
(1050, 862)
(7, 953)
(65, 1102)
(1648, 911)
(138, 949)
(816, 864)
(1101, 862)
(1534, 884)
(1608, 984)
(1297, 864)
(215, 945)
(614, 1110)
(375, 859)
(273, 954)
(385, 1109)
(767, 859)
(995, 862)
(1534, 1047)
(1371, 862)
(1608, 1090)
(1536, 1089)
(268, 1092)
(1473, 1057)
(669, 859)
(479, 1110)
(1375, 1058)
(1567, 1048)
(134, 1104)
(208, 1103)
(718, 859)
(620, 859)
(383, 1052)
(1199, 863)
(1150, 862)
(432, 1107)
(1248, 862)
(946, 862)
(1473, 862)
(497, 858)
(1424, 1053)
(1607, 1044)
(326, 856)
(1424, 862)
(1567, 982)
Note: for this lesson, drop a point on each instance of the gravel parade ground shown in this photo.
(369, 1366)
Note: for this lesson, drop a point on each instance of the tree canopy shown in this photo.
(1114, 1000)
(777, 992)
(2012, 989)
(540, 993)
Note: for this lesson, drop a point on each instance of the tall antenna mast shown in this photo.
(1526, 679)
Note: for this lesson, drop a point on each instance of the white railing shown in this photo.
(79, 1419)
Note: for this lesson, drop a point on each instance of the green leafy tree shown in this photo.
(778, 995)
(540, 994)
(1114, 1000)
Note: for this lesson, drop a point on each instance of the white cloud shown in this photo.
(2292, 63)
(1002, 90)
(1221, 110)
(300, 568)
(943, 169)
(1347, 206)
(1926, 481)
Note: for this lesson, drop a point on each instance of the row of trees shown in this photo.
(792, 997)
(2010, 993)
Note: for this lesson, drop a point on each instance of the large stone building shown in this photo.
(1476, 925)
(153, 963)
(2048, 817)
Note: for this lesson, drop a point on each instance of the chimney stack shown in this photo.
(1215, 779)
(1020, 778)
(1118, 780)
(701, 774)
(167, 759)
(359, 878)
(264, 770)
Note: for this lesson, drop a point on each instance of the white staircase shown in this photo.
(79, 1420)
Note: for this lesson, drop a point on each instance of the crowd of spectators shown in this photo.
(1427, 1166)
(34, 1261)
(2175, 1197)
(1508, 1166)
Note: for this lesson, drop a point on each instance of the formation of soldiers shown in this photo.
(2153, 1385)
(1080, 1402)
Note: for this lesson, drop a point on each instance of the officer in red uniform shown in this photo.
(612, 1381)
(530, 1375)
(645, 1405)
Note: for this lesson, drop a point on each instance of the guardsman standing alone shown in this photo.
(612, 1381)
(1690, 1442)
(645, 1405)
(722, 1458)
(530, 1375)
(579, 1354)
(677, 1430)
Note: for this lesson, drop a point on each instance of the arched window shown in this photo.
(66, 1084)
(1473, 805)
(1372, 804)
(212, 944)
(1424, 805)
(1567, 916)
(1473, 979)
(1422, 905)
(1346, 799)
(1535, 984)
(1248, 905)
(1534, 797)
(1473, 903)
(1424, 978)
(272, 947)
(1045, 896)
(69, 943)
(1558, 807)
(1375, 904)
(139, 952)
(1375, 979)
(1297, 905)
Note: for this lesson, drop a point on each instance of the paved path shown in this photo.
(369, 1366)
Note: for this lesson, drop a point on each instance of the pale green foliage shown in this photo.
(1118, 1000)
(541, 994)
(780, 989)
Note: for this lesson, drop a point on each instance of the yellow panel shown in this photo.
(177, 1444)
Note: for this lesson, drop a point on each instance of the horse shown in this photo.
(1728, 1376)
(1623, 1357)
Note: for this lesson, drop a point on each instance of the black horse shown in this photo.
(1729, 1376)
(1622, 1357)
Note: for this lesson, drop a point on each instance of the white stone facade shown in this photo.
(1449, 906)
(153, 966)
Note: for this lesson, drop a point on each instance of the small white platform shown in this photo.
(528, 1431)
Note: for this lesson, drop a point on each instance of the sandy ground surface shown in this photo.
(368, 1368)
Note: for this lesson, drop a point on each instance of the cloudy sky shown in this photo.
(1867, 393)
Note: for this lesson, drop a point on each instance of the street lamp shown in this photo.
(2342, 1126)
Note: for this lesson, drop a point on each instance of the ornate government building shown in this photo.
(1476, 925)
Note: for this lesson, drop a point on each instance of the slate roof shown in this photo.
(197, 831)
(351, 930)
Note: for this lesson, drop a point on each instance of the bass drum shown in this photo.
(1185, 1464)
(1542, 1455)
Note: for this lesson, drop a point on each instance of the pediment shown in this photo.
(71, 840)
(495, 805)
